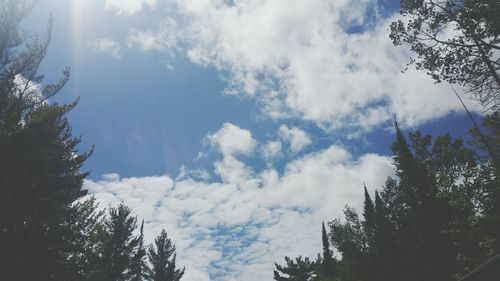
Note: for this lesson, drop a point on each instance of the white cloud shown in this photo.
(29, 89)
(129, 7)
(304, 60)
(271, 149)
(107, 46)
(236, 228)
(232, 140)
(297, 138)
(165, 39)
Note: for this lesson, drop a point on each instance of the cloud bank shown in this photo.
(236, 227)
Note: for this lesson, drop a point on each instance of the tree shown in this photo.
(82, 224)
(350, 241)
(138, 266)
(162, 259)
(295, 270)
(385, 258)
(369, 226)
(40, 165)
(427, 249)
(117, 245)
(457, 41)
(489, 195)
(328, 263)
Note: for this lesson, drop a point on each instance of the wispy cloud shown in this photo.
(129, 7)
(106, 46)
(164, 39)
(322, 61)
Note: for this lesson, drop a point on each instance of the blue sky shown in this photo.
(238, 125)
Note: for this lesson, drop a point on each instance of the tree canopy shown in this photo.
(457, 41)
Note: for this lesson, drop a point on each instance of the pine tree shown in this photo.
(162, 258)
(385, 260)
(138, 266)
(295, 270)
(369, 219)
(83, 223)
(40, 173)
(426, 249)
(117, 245)
(328, 262)
(349, 239)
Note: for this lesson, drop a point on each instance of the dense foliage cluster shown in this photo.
(48, 229)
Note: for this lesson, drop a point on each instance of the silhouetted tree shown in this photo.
(295, 270)
(328, 262)
(40, 173)
(162, 259)
(427, 249)
(83, 224)
(117, 245)
(138, 266)
(350, 241)
(369, 220)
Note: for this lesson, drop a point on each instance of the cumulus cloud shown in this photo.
(297, 138)
(231, 140)
(234, 229)
(129, 7)
(329, 62)
(106, 46)
(271, 149)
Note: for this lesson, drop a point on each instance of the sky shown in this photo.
(238, 126)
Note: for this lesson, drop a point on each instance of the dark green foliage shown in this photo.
(138, 266)
(328, 262)
(162, 258)
(350, 240)
(369, 226)
(83, 223)
(437, 220)
(426, 248)
(117, 245)
(384, 260)
(296, 270)
(467, 57)
(40, 174)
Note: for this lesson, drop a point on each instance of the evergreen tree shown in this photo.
(117, 245)
(295, 270)
(328, 262)
(83, 223)
(40, 173)
(385, 260)
(162, 259)
(350, 241)
(427, 250)
(138, 266)
(369, 220)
